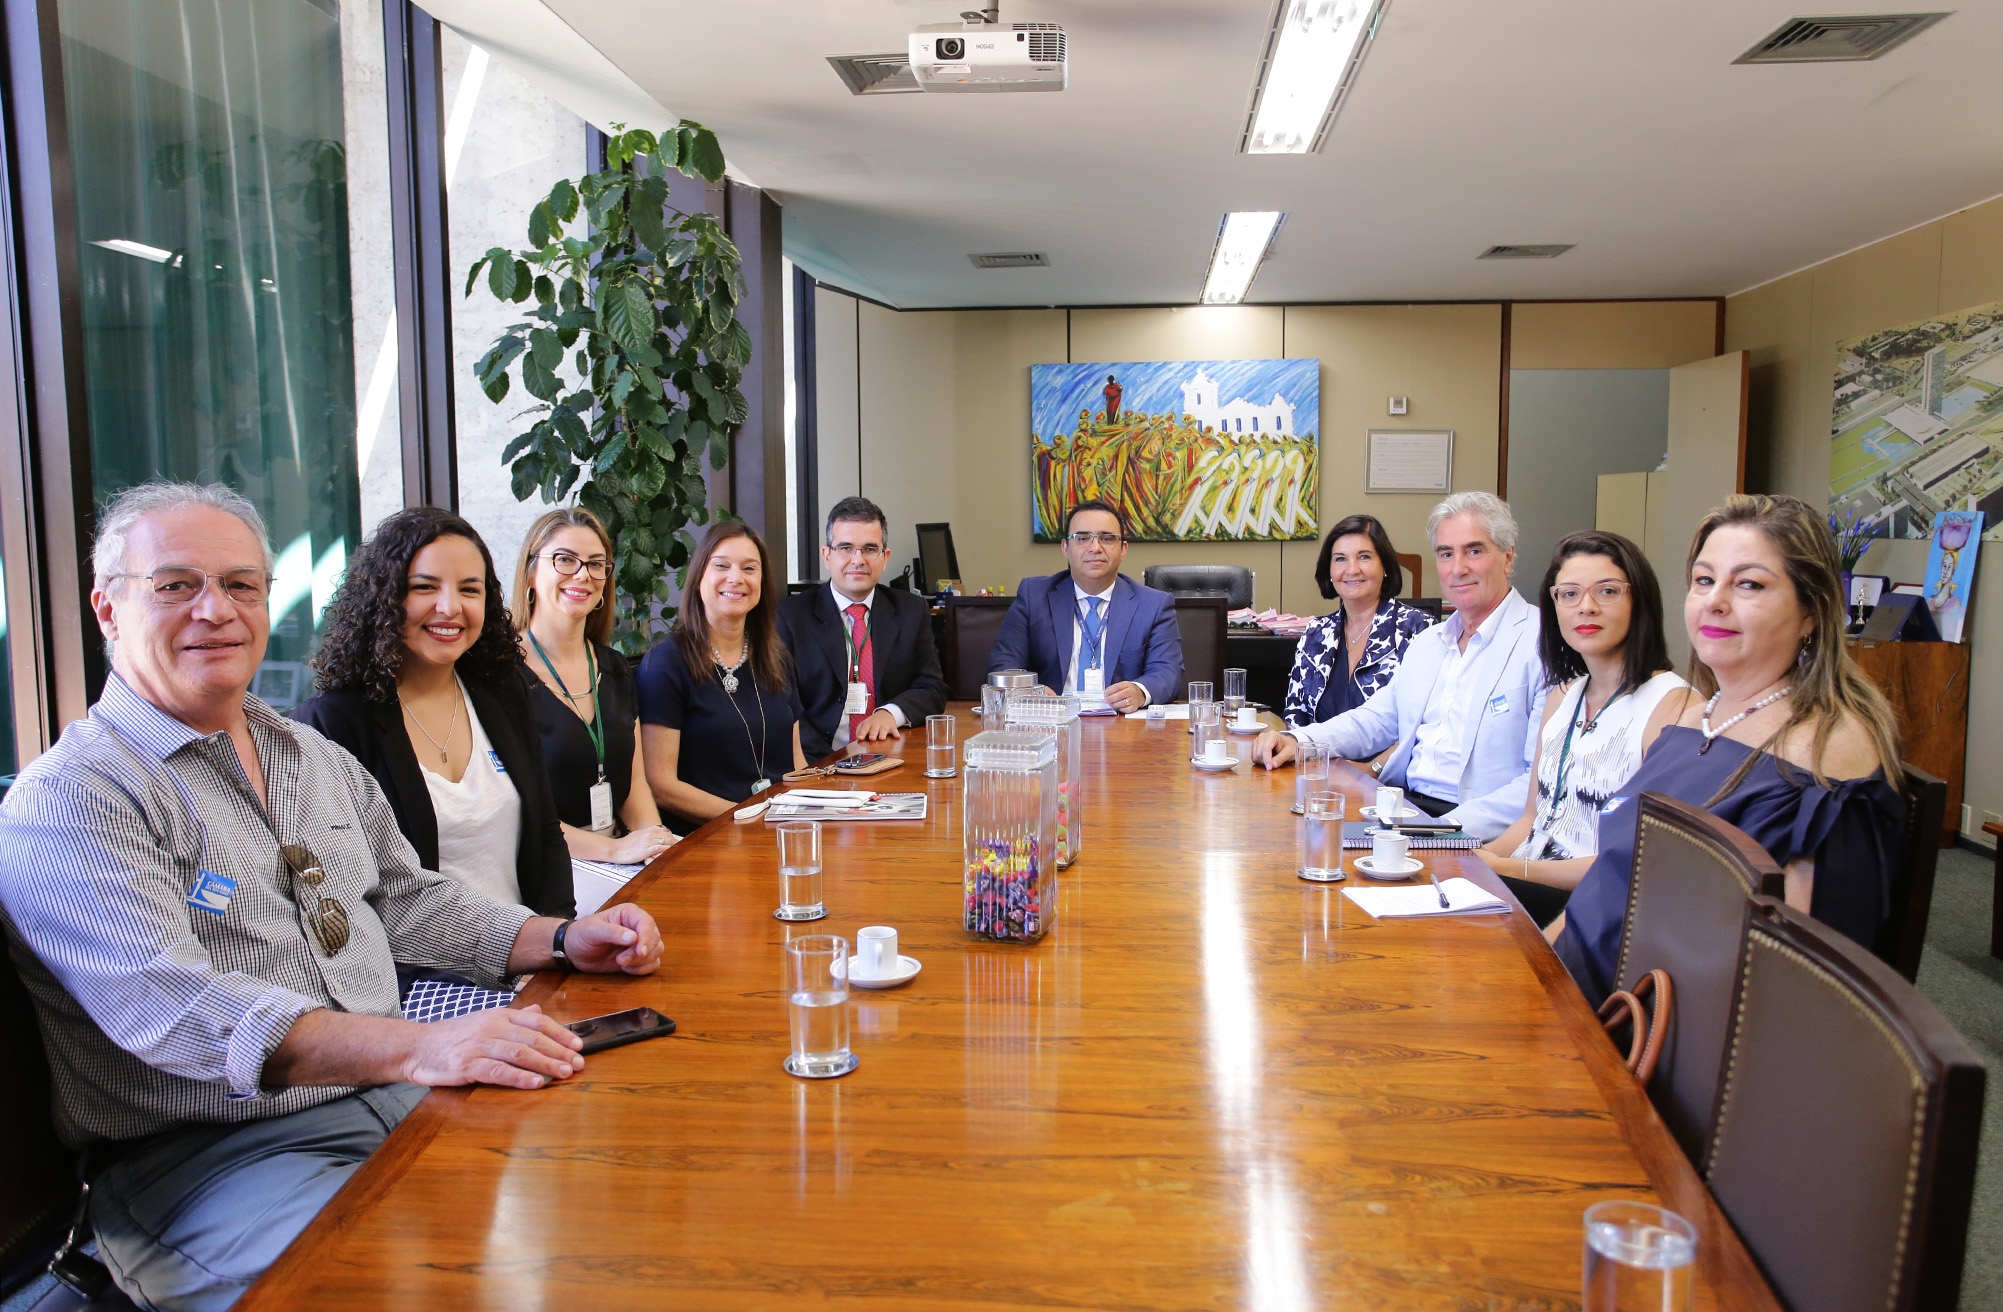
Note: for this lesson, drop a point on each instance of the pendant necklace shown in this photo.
(730, 687)
(444, 748)
(1710, 734)
(729, 672)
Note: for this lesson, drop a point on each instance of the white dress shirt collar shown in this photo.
(843, 601)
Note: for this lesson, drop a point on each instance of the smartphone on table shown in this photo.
(620, 1028)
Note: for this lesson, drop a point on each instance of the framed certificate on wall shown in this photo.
(1410, 460)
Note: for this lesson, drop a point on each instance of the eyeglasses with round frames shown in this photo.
(1569, 595)
(1102, 539)
(177, 585)
(867, 551)
(567, 563)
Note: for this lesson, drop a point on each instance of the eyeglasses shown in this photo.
(868, 550)
(1569, 595)
(177, 585)
(330, 918)
(567, 563)
(1099, 539)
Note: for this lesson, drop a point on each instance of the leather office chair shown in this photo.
(1236, 582)
(1686, 898)
(1411, 565)
(1846, 1124)
(972, 625)
(1202, 620)
(1912, 891)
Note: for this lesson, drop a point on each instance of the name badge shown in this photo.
(1095, 684)
(601, 807)
(857, 702)
(1498, 704)
(495, 757)
(212, 892)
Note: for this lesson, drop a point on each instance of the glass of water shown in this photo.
(1638, 1256)
(1201, 693)
(800, 870)
(939, 731)
(817, 1006)
(1311, 773)
(1321, 838)
(1234, 691)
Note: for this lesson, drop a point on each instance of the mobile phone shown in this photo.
(860, 760)
(620, 1027)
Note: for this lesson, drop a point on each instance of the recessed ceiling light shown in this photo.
(1312, 56)
(125, 246)
(1242, 241)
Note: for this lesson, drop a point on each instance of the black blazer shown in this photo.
(374, 733)
(901, 647)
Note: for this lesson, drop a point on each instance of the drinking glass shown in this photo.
(939, 730)
(1637, 1257)
(1321, 838)
(800, 870)
(1234, 691)
(1208, 722)
(1201, 693)
(817, 1006)
(1311, 773)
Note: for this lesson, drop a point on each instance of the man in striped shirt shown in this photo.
(208, 902)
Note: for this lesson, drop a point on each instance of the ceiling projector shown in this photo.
(989, 57)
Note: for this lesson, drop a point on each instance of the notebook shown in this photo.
(1356, 833)
(1463, 896)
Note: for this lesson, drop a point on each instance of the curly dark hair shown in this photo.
(362, 646)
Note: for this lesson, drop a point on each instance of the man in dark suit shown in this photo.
(865, 658)
(1091, 626)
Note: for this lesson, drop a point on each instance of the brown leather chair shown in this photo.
(1846, 1124)
(40, 1174)
(1904, 935)
(1411, 565)
(1202, 621)
(972, 624)
(1686, 898)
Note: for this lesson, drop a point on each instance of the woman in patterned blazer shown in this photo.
(1345, 657)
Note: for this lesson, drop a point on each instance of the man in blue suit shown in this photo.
(1463, 710)
(1092, 626)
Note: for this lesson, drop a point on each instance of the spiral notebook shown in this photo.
(1356, 833)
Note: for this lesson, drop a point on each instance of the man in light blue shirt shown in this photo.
(1463, 710)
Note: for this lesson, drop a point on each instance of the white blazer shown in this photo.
(1507, 679)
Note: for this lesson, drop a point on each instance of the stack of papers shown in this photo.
(1463, 896)
(596, 882)
(825, 804)
(1171, 711)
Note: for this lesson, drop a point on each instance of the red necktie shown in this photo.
(865, 662)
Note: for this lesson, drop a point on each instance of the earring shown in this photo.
(601, 602)
(1807, 647)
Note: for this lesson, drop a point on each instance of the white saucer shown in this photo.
(910, 970)
(1409, 813)
(1252, 732)
(1228, 763)
(1404, 870)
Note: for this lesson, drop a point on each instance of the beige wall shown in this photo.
(1611, 334)
(1791, 327)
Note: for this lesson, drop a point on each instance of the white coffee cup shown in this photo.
(876, 952)
(1390, 805)
(1247, 718)
(1216, 749)
(1389, 848)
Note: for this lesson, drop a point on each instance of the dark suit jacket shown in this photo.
(1143, 644)
(374, 733)
(901, 648)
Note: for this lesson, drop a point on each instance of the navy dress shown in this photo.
(729, 740)
(1322, 686)
(1852, 829)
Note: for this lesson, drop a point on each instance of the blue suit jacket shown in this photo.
(1143, 644)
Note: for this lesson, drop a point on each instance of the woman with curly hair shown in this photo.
(419, 676)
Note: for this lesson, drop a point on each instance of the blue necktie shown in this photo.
(1095, 632)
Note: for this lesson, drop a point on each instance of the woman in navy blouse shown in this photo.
(1345, 657)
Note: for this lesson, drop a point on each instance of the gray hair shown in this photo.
(122, 515)
(1490, 510)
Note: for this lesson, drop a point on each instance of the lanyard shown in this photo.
(595, 726)
(1565, 752)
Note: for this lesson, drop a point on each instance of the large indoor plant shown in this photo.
(645, 296)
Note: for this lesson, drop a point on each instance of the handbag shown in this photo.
(1647, 1026)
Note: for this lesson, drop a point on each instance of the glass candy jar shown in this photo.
(1010, 833)
(995, 694)
(1037, 711)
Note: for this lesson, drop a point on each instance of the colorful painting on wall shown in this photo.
(1950, 569)
(1191, 450)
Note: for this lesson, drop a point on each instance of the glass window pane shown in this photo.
(212, 216)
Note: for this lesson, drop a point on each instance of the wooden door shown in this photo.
(1707, 463)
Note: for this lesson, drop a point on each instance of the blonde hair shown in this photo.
(598, 625)
(1826, 684)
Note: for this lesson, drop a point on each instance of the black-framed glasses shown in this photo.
(567, 563)
(868, 550)
(1569, 595)
(177, 585)
(1083, 539)
(329, 918)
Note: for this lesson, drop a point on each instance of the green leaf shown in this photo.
(629, 314)
(496, 388)
(654, 440)
(609, 457)
(737, 344)
(570, 296)
(545, 293)
(498, 357)
(569, 428)
(473, 274)
(521, 443)
(650, 199)
(542, 226)
(547, 349)
(706, 154)
(563, 200)
(523, 282)
(542, 384)
(501, 275)
(648, 475)
(524, 478)
(719, 450)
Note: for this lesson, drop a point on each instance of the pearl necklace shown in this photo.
(1710, 733)
(729, 672)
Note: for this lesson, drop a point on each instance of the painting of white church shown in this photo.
(1238, 416)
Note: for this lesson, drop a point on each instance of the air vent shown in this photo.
(875, 75)
(1837, 38)
(1525, 252)
(1011, 260)
(1046, 42)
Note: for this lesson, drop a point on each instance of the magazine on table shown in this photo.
(835, 804)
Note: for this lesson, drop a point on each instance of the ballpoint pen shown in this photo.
(1434, 875)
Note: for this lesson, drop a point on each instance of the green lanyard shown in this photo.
(594, 727)
(1565, 752)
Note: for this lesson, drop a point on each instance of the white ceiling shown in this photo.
(1620, 125)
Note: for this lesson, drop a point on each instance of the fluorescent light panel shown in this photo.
(125, 246)
(1242, 240)
(1311, 58)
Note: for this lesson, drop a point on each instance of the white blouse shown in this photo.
(1601, 757)
(479, 821)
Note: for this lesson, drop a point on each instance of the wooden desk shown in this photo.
(1211, 1086)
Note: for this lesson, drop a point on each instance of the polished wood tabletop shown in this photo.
(1211, 1085)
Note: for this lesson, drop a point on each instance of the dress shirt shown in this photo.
(839, 739)
(1075, 680)
(1440, 748)
(158, 1012)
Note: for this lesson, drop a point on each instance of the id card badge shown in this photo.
(601, 807)
(1095, 684)
(858, 699)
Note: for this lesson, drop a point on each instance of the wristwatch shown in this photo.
(556, 943)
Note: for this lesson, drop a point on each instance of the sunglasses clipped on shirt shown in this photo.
(328, 917)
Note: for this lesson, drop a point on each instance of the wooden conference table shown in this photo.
(1211, 1085)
